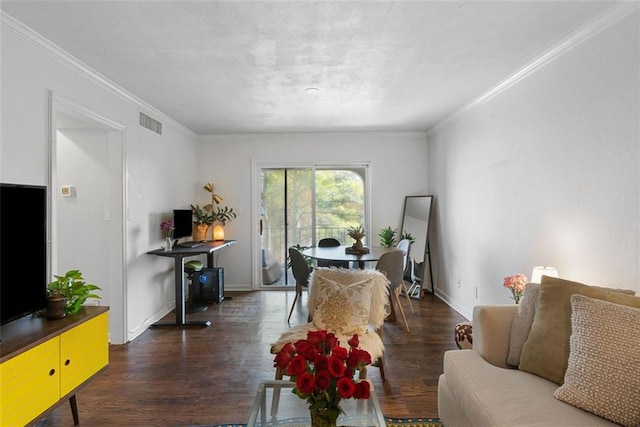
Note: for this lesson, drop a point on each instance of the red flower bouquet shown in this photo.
(324, 372)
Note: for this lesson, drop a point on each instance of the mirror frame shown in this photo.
(427, 253)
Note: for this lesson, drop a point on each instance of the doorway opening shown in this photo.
(86, 204)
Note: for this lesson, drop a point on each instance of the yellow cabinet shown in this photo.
(45, 361)
(84, 350)
(30, 383)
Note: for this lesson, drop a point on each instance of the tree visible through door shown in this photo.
(300, 206)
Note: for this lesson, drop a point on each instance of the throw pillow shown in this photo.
(523, 318)
(342, 309)
(603, 376)
(521, 322)
(546, 351)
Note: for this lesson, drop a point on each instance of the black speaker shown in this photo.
(208, 286)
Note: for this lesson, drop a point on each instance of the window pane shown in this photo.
(339, 203)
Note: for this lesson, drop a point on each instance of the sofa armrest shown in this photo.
(491, 330)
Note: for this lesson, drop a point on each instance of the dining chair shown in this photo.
(390, 264)
(301, 272)
(345, 302)
(330, 242)
(405, 246)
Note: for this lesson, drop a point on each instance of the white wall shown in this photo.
(159, 174)
(398, 169)
(545, 173)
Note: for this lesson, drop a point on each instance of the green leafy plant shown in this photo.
(387, 237)
(200, 216)
(223, 214)
(73, 288)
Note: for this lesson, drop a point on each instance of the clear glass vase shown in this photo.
(168, 244)
(324, 417)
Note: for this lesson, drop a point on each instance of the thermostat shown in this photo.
(67, 190)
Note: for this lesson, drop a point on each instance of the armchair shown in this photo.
(345, 302)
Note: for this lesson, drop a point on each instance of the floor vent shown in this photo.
(150, 123)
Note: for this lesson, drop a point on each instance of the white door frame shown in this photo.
(117, 244)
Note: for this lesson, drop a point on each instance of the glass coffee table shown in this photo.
(276, 405)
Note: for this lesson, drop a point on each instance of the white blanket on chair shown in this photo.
(370, 340)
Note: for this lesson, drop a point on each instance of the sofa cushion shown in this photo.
(492, 396)
(521, 322)
(546, 351)
(603, 376)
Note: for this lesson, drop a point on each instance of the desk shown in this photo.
(179, 254)
(337, 253)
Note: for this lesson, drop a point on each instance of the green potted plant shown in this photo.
(202, 220)
(73, 289)
(223, 214)
(387, 237)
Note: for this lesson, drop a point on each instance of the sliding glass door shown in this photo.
(300, 206)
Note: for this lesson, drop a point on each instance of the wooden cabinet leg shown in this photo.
(74, 410)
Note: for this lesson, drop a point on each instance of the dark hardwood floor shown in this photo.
(200, 376)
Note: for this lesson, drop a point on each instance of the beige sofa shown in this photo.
(479, 389)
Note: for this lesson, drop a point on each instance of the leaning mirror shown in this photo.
(415, 221)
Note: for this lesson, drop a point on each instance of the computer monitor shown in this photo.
(182, 221)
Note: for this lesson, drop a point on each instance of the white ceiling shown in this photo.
(240, 66)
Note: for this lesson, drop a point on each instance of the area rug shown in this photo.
(391, 422)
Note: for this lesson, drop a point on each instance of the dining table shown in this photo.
(340, 253)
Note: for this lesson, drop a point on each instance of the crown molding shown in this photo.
(22, 31)
(592, 28)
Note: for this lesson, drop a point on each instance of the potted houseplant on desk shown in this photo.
(202, 220)
(67, 293)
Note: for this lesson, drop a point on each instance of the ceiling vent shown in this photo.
(150, 123)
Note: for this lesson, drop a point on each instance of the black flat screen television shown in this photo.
(23, 250)
(182, 221)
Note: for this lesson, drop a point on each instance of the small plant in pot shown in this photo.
(71, 288)
(357, 233)
(202, 220)
(387, 237)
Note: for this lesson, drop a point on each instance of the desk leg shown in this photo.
(180, 303)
